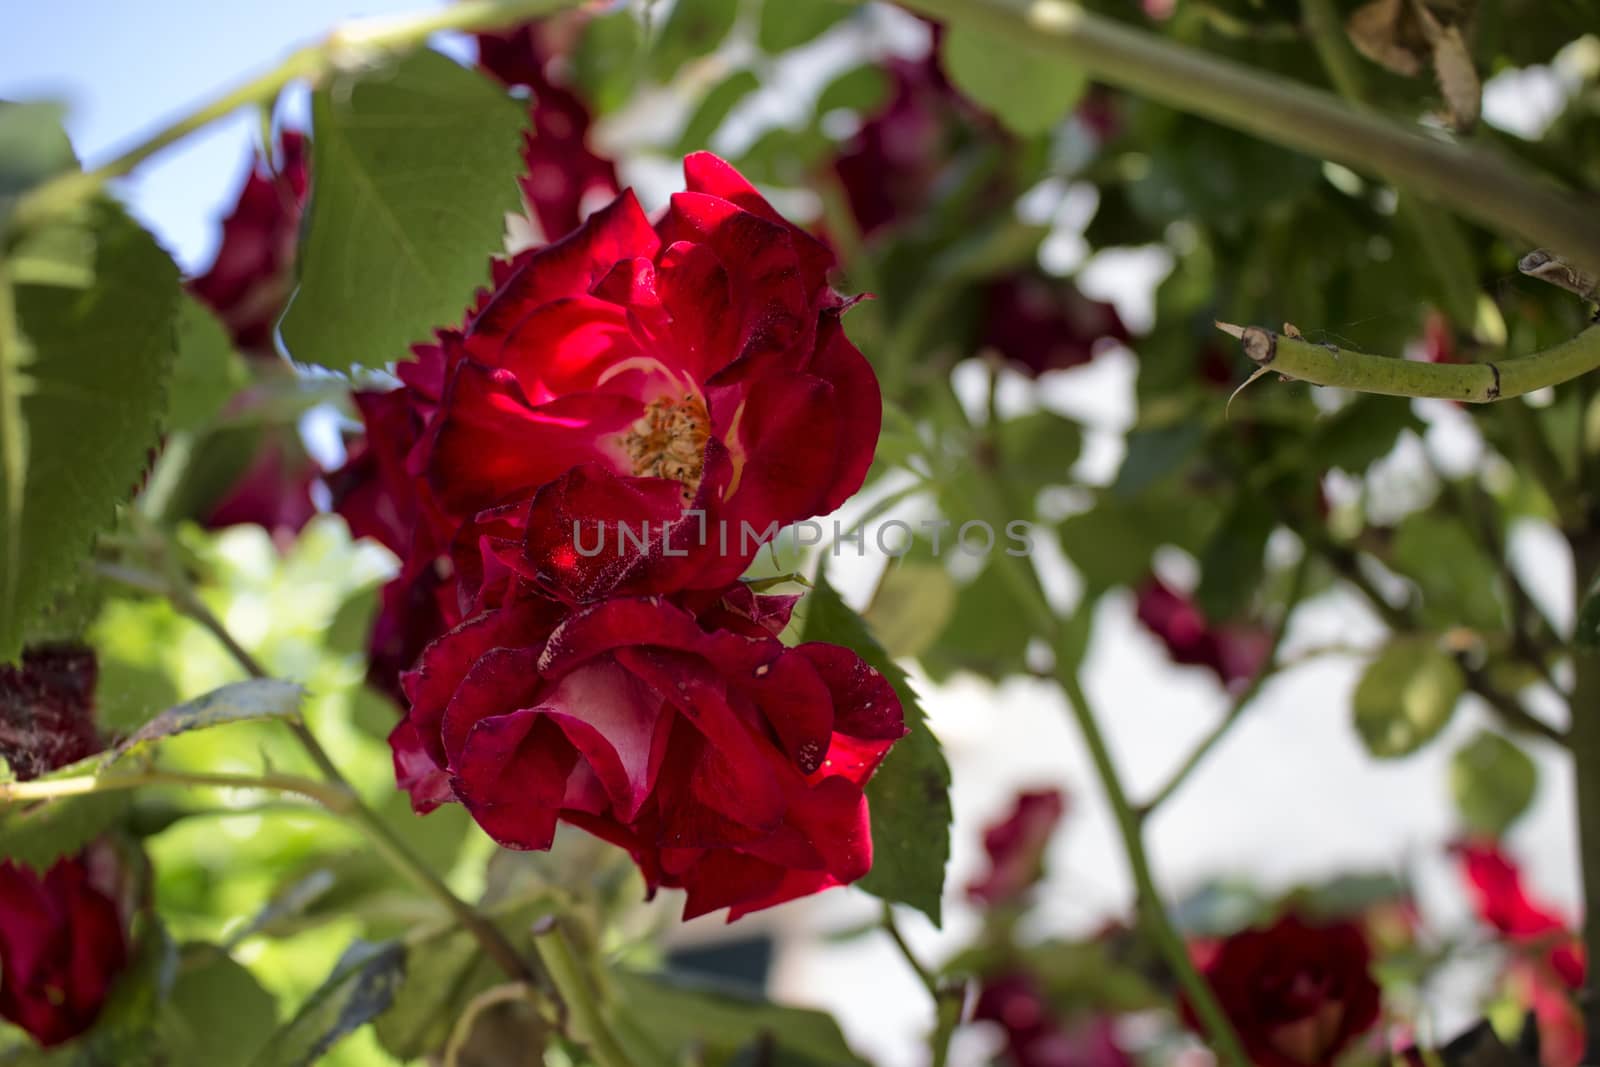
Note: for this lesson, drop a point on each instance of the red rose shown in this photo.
(247, 286)
(47, 710)
(1548, 964)
(1035, 1037)
(1234, 653)
(1016, 847)
(62, 936)
(249, 282)
(690, 370)
(727, 763)
(1297, 994)
(1041, 323)
(63, 941)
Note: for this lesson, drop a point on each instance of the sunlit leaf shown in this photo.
(416, 169)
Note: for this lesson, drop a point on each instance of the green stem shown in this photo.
(1019, 574)
(1470, 383)
(892, 928)
(585, 1021)
(1478, 184)
(1236, 710)
(1156, 921)
(331, 797)
(13, 449)
(175, 584)
(355, 43)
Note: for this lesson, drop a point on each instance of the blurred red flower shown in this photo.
(1233, 652)
(1035, 1037)
(1016, 847)
(1297, 993)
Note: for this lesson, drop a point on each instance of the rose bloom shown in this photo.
(247, 286)
(1547, 965)
(1297, 994)
(1233, 652)
(63, 936)
(1016, 847)
(691, 372)
(727, 763)
(1035, 1036)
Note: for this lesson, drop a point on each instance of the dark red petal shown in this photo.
(706, 173)
(415, 771)
(783, 440)
(502, 681)
(865, 704)
(860, 409)
(584, 528)
(47, 709)
(561, 347)
(618, 726)
(512, 775)
(570, 266)
(493, 445)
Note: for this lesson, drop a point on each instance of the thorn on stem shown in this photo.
(1260, 345)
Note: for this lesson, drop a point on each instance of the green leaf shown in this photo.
(254, 700)
(1156, 453)
(1457, 578)
(362, 986)
(862, 89)
(987, 634)
(1233, 562)
(714, 107)
(43, 833)
(608, 59)
(674, 1015)
(218, 1013)
(1362, 432)
(443, 975)
(91, 369)
(416, 170)
(694, 28)
(913, 604)
(1027, 89)
(1406, 696)
(787, 24)
(1493, 782)
(208, 371)
(33, 147)
(909, 797)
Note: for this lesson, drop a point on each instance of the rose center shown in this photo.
(670, 441)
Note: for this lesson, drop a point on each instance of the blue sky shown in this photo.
(125, 69)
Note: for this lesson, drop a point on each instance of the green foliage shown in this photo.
(692, 29)
(218, 1014)
(1029, 91)
(92, 374)
(401, 223)
(787, 24)
(40, 834)
(33, 147)
(254, 700)
(860, 89)
(664, 1016)
(909, 797)
(207, 372)
(608, 58)
(1493, 782)
(714, 107)
(913, 604)
(361, 987)
(1406, 696)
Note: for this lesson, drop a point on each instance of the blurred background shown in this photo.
(1290, 797)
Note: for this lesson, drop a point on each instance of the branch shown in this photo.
(1479, 184)
(1471, 383)
(171, 581)
(356, 43)
(331, 797)
(585, 1021)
